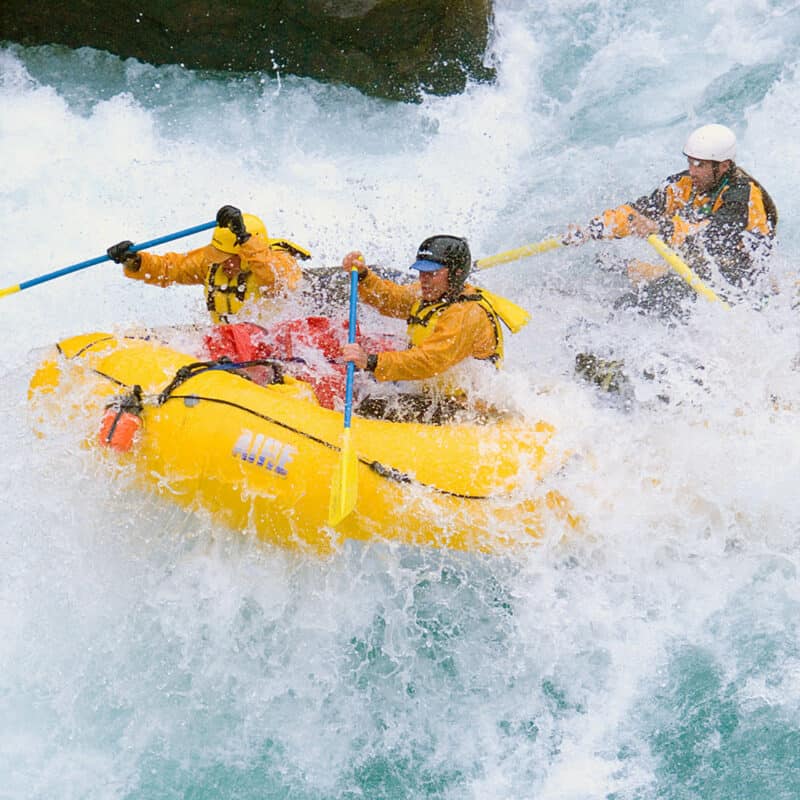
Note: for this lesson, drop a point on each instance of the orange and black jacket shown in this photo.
(733, 224)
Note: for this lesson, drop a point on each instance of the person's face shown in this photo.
(434, 284)
(704, 174)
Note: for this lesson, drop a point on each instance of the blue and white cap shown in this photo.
(426, 265)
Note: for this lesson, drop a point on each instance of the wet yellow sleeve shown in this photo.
(462, 331)
(184, 268)
(276, 271)
(388, 297)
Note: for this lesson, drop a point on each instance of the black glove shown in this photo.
(231, 218)
(121, 253)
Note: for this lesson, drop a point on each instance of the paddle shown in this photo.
(519, 252)
(684, 270)
(669, 255)
(344, 489)
(100, 259)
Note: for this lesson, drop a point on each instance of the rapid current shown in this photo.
(146, 653)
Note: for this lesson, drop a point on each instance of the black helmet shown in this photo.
(445, 251)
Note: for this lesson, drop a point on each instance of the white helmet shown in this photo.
(711, 143)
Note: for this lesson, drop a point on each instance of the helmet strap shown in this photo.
(455, 283)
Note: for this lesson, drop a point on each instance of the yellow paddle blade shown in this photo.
(684, 270)
(516, 317)
(344, 490)
(9, 290)
(520, 252)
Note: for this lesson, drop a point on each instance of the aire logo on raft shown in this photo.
(257, 449)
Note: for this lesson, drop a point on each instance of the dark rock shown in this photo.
(389, 48)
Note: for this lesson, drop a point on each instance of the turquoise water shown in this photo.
(147, 653)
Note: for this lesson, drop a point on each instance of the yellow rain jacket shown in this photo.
(734, 224)
(463, 329)
(265, 271)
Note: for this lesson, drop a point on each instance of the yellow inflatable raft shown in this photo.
(262, 458)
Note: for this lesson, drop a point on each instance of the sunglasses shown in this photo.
(697, 162)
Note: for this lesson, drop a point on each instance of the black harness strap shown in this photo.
(237, 288)
(439, 305)
(226, 364)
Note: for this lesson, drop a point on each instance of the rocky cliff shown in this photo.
(389, 48)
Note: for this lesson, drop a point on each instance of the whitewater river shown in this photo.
(147, 653)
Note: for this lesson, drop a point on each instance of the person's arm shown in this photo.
(276, 271)
(738, 236)
(642, 217)
(389, 298)
(462, 331)
(163, 270)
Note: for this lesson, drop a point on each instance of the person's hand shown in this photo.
(355, 352)
(121, 253)
(640, 272)
(643, 226)
(575, 236)
(231, 218)
(354, 259)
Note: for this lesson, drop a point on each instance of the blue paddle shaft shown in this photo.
(351, 337)
(100, 259)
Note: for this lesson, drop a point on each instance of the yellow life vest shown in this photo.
(423, 316)
(225, 296)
